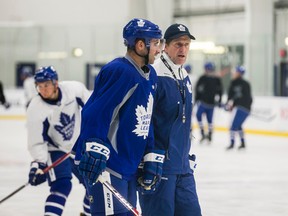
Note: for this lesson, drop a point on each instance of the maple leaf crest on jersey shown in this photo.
(189, 87)
(144, 118)
(67, 127)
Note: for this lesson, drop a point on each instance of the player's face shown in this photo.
(235, 75)
(156, 46)
(47, 89)
(178, 49)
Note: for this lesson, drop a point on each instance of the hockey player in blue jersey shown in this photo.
(115, 129)
(239, 102)
(53, 122)
(176, 193)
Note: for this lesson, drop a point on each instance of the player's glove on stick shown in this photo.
(228, 106)
(192, 162)
(151, 174)
(36, 174)
(93, 161)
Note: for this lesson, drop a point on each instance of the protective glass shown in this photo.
(158, 43)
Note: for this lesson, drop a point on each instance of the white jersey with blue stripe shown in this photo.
(55, 125)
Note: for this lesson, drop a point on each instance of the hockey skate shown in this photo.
(202, 139)
(203, 136)
(209, 137)
(231, 146)
(242, 146)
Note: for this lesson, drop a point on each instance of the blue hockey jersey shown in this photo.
(170, 131)
(119, 113)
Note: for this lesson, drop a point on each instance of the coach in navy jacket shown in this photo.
(176, 193)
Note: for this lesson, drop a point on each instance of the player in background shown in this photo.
(115, 129)
(208, 94)
(53, 122)
(3, 98)
(28, 86)
(176, 193)
(239, 102)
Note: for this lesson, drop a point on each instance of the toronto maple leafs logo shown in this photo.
(189, 87)
(67, 127)
(181, 28)
(238, 91)
(140, 23)
(144, 118)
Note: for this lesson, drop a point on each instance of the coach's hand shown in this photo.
(192, 162)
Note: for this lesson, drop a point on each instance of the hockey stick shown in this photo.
(125, 203)
(262, 117)
(56, 163)
(255, 115)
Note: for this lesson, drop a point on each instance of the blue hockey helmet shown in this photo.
(240, 69)
(140, 29)
(44, 74)
(209, 66)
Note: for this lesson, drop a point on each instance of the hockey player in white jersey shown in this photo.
(115, 128)
(53, 121)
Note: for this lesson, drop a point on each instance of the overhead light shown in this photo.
(215, 50)
(17, 24)
(207, 47)
(77, 52)
(52, 55)
(201, 45)
(286, 41)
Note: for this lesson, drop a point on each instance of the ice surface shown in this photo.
(253, 182)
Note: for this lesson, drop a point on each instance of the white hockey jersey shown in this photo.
(55, 126)
(29, 89)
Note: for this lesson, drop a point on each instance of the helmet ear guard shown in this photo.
(140, 29)
(44, 74)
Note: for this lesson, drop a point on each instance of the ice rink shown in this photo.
(253, 182)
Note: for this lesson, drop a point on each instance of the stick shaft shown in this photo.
(125, 203)
(56, 163)
(14, 192)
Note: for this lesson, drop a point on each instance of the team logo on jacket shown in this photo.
(144, 118)
(189, 87)
(66, 128)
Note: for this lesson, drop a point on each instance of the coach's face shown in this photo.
(178, 49)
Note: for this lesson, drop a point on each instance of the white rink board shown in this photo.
(268, 113)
